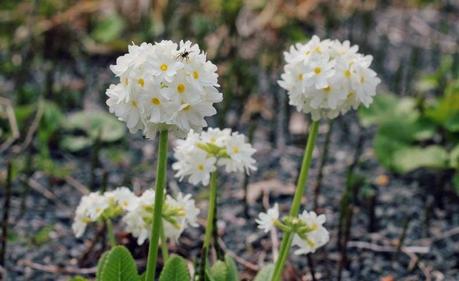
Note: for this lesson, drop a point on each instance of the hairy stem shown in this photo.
(157, 212)
(300, 188)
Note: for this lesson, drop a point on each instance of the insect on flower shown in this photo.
(185, 55)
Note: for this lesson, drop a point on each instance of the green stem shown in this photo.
(210, 219)
(110, 234)
(300, 187)
(164, 249)
(157, 212)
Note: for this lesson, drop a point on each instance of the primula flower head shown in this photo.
(178, 213)
(164, 86)
(327, 78)
(307, 228)
(200, 154)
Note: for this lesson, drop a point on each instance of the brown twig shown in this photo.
(83, 189)
(33, 127)
(56, 269)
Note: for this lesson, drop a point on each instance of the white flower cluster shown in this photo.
(164, 86)
(200, 154)
(136, 212)
(326, 78)
(309, 233)
(177, 213)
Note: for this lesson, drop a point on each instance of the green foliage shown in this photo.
(42, 236)
(233, 274)
(117, 265)
(219, 271)
(175, 270)
(265, 273)
(91, 125)
(412, 158)
(403, 126)
(109, 28)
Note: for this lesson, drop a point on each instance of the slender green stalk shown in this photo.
(300, 187)
(110, 233)
(210, 219)
(157, 212)
(164, 249)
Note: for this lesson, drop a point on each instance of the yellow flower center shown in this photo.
(317, 70)
(362, 79)
(155, 101)
(195, 75)
(181, 88)
(200, 167)
(134, 103)
(141, 82)
(235, 149)
(347, 73)
(327, 90)
(126, 81)
(350, 94)
(163, 67)
(300, 77)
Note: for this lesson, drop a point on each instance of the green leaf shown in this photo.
(219, 271)
(447, 106)
(109, 28)
(265, 273)
(412, 158)
(452, 124)
(75, 143)
(175, 270)
(233, 274)
(454, 157)
(400, 109)
(385, 148)
(95, 124)
(119, 265)
(100, 265)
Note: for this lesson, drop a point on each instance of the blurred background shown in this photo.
(387, 177)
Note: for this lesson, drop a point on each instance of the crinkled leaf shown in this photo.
(219, 271)
(265, 273)
(412, 158)
(385, 149)
(119, 265)
(233, 274)
(175, 270)
(96, 124)
(452, 124)
(399, 108)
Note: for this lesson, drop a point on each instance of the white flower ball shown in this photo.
(327, 78)
(200, 154)
(164, 86)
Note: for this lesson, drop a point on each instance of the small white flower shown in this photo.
(316, 237)
(90, 209)
(327, 78)
(123, 198)
(266, 220)
(200, 154)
